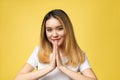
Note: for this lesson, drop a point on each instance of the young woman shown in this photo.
(58, 57)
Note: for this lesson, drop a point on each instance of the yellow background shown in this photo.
(96, 25)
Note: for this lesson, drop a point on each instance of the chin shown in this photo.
(60, 43)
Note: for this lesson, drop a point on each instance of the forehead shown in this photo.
(52, 22)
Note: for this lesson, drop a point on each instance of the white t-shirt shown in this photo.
(56, 74)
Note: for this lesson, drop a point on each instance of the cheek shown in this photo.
(48, 35)
(62, 33)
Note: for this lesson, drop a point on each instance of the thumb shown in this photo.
(55, 46)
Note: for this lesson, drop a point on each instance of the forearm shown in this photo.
(33, 75)
(74, 75)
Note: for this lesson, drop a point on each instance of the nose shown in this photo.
(55, 34)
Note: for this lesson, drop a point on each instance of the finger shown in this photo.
(53, 60)
(58, 60)
(53, 57)
(58, 57)
(55, 47)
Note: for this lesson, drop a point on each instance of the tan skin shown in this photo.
(56, 38)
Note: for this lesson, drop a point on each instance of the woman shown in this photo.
(59, 56)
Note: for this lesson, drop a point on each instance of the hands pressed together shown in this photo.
(56, 58)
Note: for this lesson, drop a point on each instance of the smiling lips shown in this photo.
(56, 39)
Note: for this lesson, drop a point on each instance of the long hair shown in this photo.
(71, 48)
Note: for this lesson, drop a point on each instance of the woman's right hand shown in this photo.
(53, 56)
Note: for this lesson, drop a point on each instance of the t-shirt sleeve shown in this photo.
(85, 64)
(33, 60)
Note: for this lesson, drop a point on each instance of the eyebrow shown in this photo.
(56, 26)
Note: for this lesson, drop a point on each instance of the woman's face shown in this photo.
(55, 31)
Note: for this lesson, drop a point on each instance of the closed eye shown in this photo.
(49, 29)
(59, 28)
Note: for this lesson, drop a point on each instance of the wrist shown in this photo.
(62, 68)
(51, 68)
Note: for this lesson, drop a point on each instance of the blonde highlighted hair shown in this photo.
(70, 46)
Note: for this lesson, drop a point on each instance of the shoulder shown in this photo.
(85, 64)
(36, 49)
(84, 54)
(33, 59)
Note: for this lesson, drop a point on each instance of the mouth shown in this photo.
(56, 39)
